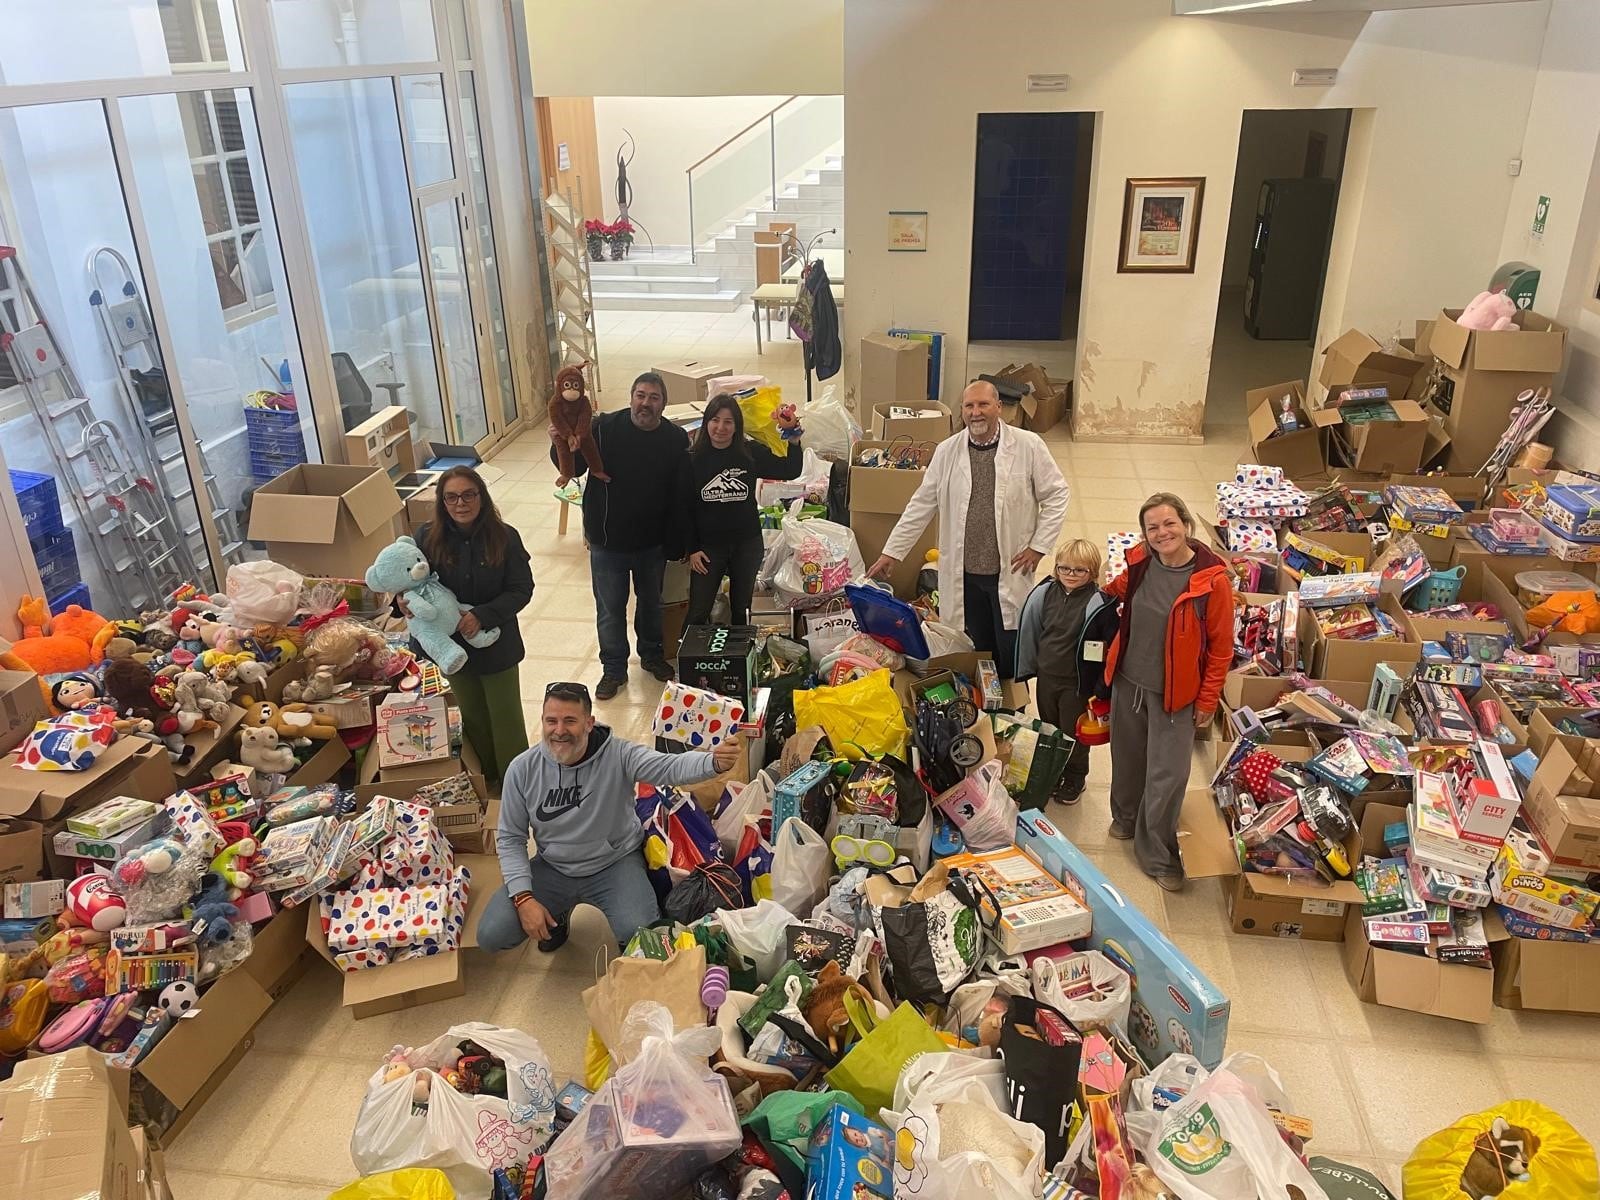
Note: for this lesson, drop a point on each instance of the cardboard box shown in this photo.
(1547, 976)
(212, 747)
(928, 424)
(1561, 808)
(673, 617)
(878, 499)
(64, 1131)
(894, 370)
(352, 708)
(321, 519)
(129, 767)
(1049, 408)
(21, 851)
(1269, 905)
(413, 981)
(1483, 373)
(469, 827)
(1299, 454)
(1336, 658)
(1434, 629)
(21, 707)
(1464, 551)
(1397, 979)
(1497, 591)
(688, 382)
(1355, 359)
(200, 1050)
(411, 729)
(323, 765)
(1403, 444)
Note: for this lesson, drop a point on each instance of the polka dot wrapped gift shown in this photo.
(1117, 547)
(418, 852)
(699, 719)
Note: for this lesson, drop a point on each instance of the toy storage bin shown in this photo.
(39, 502)
(1437, 590)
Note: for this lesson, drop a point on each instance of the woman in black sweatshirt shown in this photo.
(723, 528)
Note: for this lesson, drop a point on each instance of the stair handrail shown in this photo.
(772, 146)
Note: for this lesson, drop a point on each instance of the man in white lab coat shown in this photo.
(1001, 500)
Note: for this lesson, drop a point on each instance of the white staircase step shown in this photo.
(724, 300)
(666, 285)
(628, 269)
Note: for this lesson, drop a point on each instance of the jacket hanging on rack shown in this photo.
(826, 353)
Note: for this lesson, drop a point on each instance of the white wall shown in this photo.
(670, 133)
(1560, 160)
(686, 47)
(1450, 90)
(1272, 145)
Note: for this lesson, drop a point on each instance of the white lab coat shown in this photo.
(1030, 502)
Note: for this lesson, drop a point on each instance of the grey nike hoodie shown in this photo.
(582, 817)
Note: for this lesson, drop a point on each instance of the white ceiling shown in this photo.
(1190, 7)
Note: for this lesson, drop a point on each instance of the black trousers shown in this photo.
(739, 561)
(980, 597)
(1061, 705)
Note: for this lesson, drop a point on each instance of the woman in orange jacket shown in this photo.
(1165, 669)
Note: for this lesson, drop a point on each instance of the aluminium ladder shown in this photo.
(131, 338)
(121, 513)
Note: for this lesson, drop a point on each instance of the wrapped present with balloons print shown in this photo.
(418, 852)
(701, 720)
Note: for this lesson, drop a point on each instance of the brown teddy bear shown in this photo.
(290, 721)
(824, 1008)
(572, 418)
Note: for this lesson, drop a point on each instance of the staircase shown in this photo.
(723, 270)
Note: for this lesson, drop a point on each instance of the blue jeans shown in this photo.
(622, 892)
(609, 573)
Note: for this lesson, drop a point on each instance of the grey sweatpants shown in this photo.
(1150, 751)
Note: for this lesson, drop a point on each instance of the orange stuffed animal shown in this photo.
(73, 641)
(1574, 612)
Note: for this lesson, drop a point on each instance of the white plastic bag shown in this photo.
(461, 1135)
(801, 862)
(747, 801)
(652, 1127)
(946, 1070)
(810, 486)
(830, 428)
(823, 557)
(1220, 1139)
(1104, 1006)
(945, 639)
(954, 1141)
(982, 809)
(263, 592)
(757, 933)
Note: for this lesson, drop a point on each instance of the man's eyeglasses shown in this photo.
(567, 691)
(462, 497)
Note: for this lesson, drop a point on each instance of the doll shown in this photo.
(186, 625)
(76, 691)
(572, 418)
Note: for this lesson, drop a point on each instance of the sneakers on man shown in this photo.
(557, 938)
(1170, 883)
(609, 686)
(1123, 833)
(660, 668)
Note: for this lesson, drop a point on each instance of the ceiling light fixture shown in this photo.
(1231, 6)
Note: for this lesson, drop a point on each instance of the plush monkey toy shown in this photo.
(573, 419)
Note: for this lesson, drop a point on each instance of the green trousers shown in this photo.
(491, 717)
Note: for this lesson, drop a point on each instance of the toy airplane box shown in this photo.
(1176, 1009)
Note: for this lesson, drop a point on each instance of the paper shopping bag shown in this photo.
(674, 983)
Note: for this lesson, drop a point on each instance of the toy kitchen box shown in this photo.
(1176, 1009)
(411, 729)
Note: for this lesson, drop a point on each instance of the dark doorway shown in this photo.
(1029, 220)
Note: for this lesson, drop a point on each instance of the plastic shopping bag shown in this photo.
(757, 933)
(861, 718)
(801, 863)
(982, 809)
(263, 592)
(953, 1141)
(1099, 996)
(465, 1136)
(660, 1121)
(758, 401)
(741, 802)
(831, 429)
(823, 557)
(411, 1183)
(1220, 1139)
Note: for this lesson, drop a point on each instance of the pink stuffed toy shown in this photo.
(1492, 311)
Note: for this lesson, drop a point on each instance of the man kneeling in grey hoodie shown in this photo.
(573, 792)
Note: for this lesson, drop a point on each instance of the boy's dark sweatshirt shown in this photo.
(719, 491)
(1061, 630)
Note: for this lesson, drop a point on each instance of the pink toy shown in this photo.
(94, 905)
(1491, 311)
(72, 1026)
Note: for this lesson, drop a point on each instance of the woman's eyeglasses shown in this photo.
(462, 497)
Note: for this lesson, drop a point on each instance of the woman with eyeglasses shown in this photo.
(1060, 639)
(482, 560)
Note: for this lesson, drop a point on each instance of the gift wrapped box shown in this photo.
(1244, 536)
(1117, 547)
(192, 821)
(1257, 475)
(418, 852)
(387, 918)
(701, 720)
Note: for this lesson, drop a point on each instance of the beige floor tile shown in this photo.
(1314, 1079)
(312, 1145)
(1116, 862)
(1564, 1085)
(1356, 1021)
(239, 1123)
(204, 1185)
(1514, 1034)
(1266, 979)
(280, 1189)
(1405, 1091)
(1084, 823)
(1200, 909)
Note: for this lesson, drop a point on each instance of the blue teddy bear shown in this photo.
(401, 568)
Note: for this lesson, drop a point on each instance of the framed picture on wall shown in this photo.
(1161, 225)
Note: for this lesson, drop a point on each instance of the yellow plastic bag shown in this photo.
(760, 410)
(861, 718)
(1519, 1150)
(596, 1062)
(412, 1183)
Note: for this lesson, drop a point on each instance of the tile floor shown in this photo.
(1374, 1080)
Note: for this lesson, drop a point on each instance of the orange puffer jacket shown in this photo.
(1199, 629)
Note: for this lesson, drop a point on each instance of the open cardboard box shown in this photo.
(894, 370)
(1338, 658)
(1356, 359)
(324, 764)
(1562, 807)
(1498, 592)
(129, 766)
(468, 826)
(688, 382)
(1547, 976)
(22, 851)
(1402, 444)
(878, 499)
(1465, 551)
(413, 981)
(1397, 979)
(930, 426)
(1485, 371)
(1434, 629)
(211, 747)
(1299, 454)
(320, 519)
(1269, 905)
(21, 707)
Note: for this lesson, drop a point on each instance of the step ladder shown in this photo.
(121, 513)
(130, 336)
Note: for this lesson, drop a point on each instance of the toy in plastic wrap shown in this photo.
(848, 1158)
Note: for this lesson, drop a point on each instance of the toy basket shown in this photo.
(1437, 590)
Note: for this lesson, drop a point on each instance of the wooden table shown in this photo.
(780, 296)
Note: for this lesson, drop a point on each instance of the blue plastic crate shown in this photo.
(270, 466)
(39, 502)
(290, 442)
(56, 556)
(271, 418)
(77, 594)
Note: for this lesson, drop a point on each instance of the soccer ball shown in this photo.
(179, 999)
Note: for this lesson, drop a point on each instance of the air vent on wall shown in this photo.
(1048, 83)
(1316, 77)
